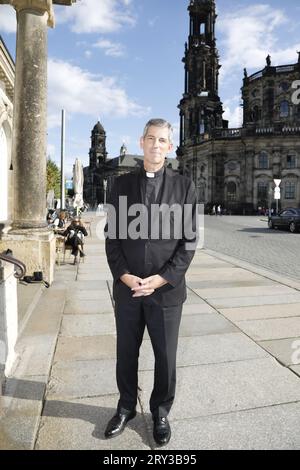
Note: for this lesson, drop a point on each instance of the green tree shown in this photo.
(53, 177)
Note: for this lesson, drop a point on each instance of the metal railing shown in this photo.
(20, 268)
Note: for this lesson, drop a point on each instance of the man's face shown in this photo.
(156, 146)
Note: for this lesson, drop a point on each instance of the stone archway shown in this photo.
(3, 175)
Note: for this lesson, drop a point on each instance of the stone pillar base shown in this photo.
(35, 248)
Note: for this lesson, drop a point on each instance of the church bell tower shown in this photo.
(200, 108)
(98, 152)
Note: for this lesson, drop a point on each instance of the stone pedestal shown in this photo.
(35, 248)
(8, 319)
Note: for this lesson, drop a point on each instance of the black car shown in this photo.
(288, 218)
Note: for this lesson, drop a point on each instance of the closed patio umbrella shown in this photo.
(78, 184)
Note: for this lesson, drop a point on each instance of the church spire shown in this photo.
(200, 109)
(201, 56)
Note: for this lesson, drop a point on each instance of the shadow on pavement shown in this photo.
(25, 389)
(97, 415)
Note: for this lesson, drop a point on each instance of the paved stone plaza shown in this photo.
(238, 362)
(250, 239)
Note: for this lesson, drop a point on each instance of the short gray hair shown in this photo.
(159, 123)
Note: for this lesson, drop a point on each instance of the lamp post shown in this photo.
(62, 164)
(270, 194)
(104, 189)
(277, 192)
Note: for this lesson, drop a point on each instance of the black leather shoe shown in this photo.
(161, 431)
(118, 423)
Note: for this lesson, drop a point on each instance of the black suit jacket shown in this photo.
(145, 257)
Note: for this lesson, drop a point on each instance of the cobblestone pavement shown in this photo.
(249, 239)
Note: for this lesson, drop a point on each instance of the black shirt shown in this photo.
(152, 186)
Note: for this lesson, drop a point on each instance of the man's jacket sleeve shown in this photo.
(114, 253)
(175, 269)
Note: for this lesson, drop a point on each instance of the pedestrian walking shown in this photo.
(219, 210)
(149, 281)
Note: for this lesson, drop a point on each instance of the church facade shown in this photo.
(235, 167)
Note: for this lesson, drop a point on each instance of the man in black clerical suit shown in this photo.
(149, 269)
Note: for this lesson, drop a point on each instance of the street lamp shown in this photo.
(104, 189)
(270, 194)
(277, 192)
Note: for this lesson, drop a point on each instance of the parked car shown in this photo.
(288, 218)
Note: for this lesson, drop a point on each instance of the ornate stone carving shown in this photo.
(6, 108)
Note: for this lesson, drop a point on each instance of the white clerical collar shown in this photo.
(153, 174)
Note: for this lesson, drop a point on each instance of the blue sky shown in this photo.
(120, 61)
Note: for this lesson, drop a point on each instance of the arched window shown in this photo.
(291, 161)
(231, 191)
(263, 161)
(262, 191)
(290, 190)
(284, 109)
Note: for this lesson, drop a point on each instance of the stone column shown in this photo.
(30, 113)
(30, 239)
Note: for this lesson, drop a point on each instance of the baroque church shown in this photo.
(236, 167)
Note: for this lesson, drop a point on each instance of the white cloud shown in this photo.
(233, 113)
(249, 35)
(8, 21)
(90, 16)
(176, 129)
(286, 56)
(113, 49)
(79, 91)
(88, 54)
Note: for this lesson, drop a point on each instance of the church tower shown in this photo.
(98, 152)
(200, 108)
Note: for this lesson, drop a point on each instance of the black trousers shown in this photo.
(163, 328)
(74, 242)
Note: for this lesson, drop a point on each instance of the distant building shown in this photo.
(236, 167)
(101, 173)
